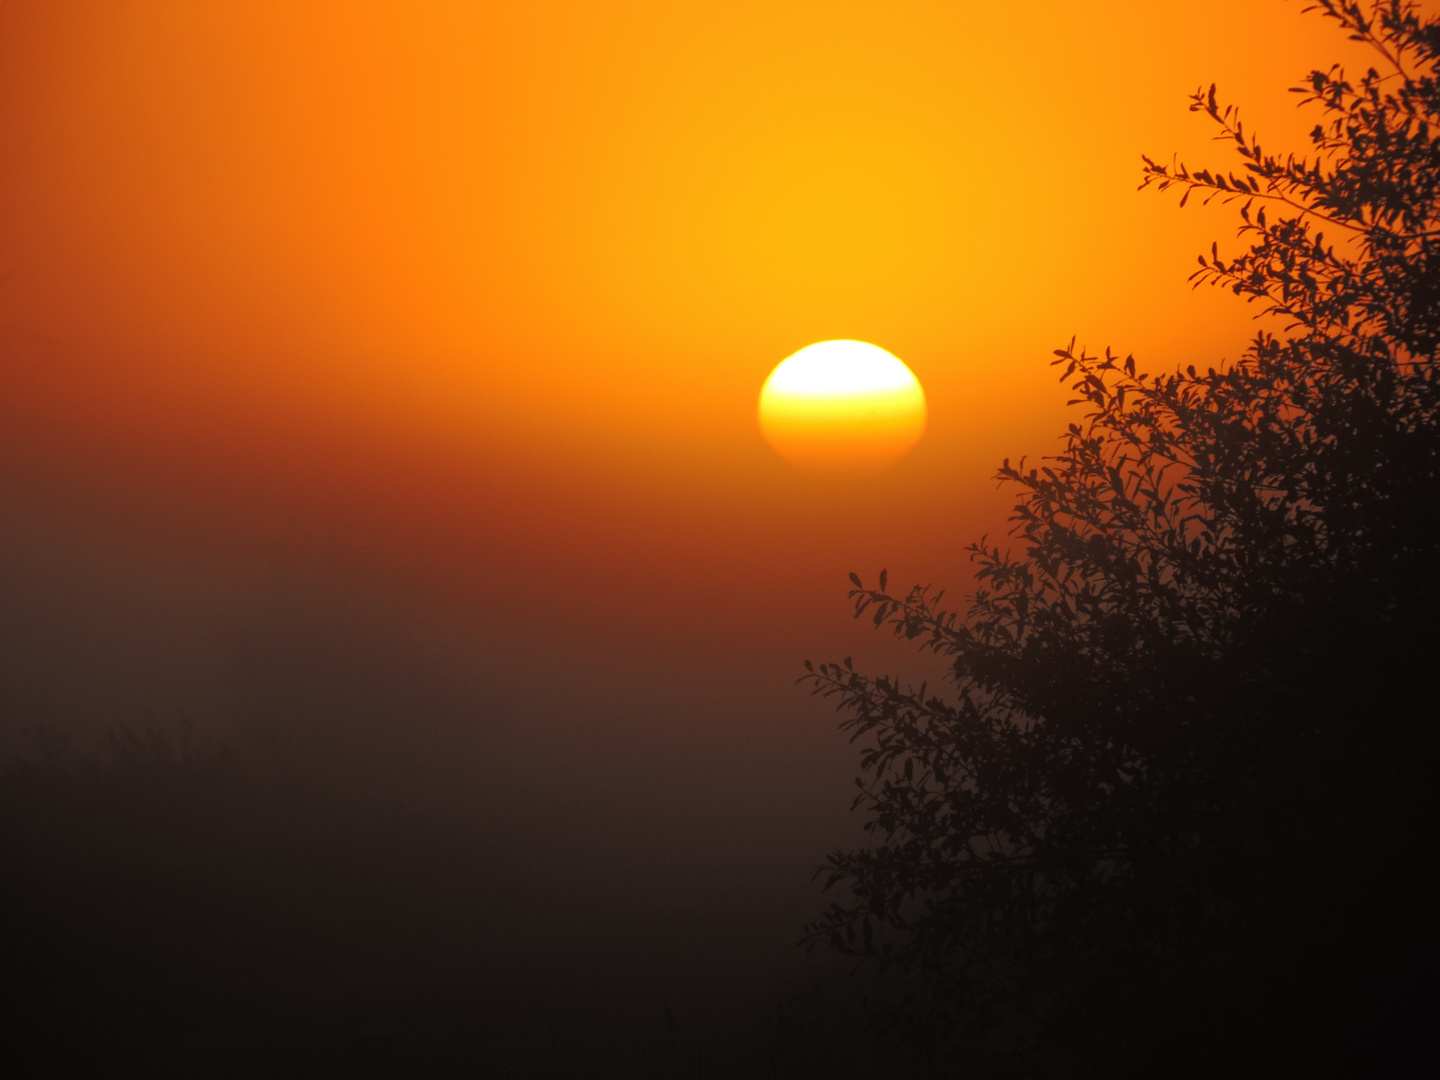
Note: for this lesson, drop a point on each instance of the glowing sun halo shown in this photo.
(842, 406)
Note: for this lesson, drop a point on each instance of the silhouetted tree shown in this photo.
(1179, 800)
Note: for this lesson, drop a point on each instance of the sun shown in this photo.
(842, 406)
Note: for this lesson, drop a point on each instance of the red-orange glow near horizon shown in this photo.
(842, 406)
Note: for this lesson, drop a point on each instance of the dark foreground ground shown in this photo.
(172, 912)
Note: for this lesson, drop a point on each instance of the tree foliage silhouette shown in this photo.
(1180, 778)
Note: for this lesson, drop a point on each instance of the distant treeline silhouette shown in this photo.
(1175, 814)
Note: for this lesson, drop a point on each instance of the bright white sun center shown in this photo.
(842, 406)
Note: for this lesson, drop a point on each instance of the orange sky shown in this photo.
(486, 293)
